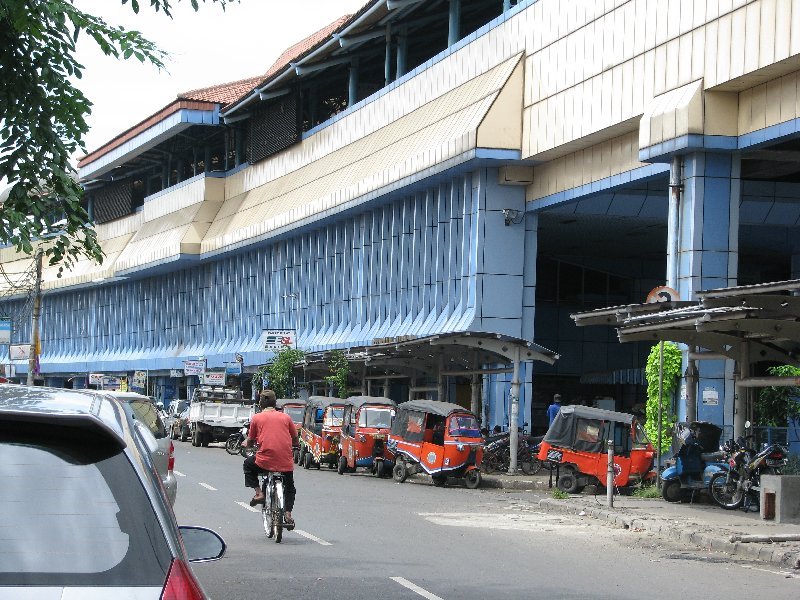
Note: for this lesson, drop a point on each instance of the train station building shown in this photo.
(428, 167)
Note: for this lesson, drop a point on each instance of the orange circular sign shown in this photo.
(662, 293)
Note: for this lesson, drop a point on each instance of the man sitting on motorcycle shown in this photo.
(276, 436)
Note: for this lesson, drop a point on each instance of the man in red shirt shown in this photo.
(276, 436)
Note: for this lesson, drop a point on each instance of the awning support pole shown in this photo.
(513, 425)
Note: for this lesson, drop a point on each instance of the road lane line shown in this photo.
(208, 487)
(313, 538)
(248, 507)
(178, 473)
(415, 588)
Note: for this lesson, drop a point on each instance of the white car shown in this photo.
(142, 410)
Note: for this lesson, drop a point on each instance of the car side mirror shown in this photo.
(202, 544)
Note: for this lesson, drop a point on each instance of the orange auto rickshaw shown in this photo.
(295, 408)
(319, 436)
(577, 443)
(438, 438)
(366, 424)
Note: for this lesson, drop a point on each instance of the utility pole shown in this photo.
(37, 312)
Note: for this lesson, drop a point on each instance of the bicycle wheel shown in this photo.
(277, 510)
(266, 512)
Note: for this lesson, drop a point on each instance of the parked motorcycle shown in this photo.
(741, 485)
(233, 445)
(497, 454)
(695, 447)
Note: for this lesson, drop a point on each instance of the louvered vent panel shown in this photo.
(113, 201)
(273, 127)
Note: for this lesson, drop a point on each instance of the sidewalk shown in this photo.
(700, 523)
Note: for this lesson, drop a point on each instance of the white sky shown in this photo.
(206, 48)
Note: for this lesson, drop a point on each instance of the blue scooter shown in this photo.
(697, 457)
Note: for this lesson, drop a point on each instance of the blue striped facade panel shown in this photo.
(408, 267)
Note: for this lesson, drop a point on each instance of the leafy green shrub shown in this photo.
(279, 374)
(559, 494)
(672, 371)
(776, 405)
(647, 491)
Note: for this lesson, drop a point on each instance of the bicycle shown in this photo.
(272, 512)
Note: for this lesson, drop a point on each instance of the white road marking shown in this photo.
(208, 487)
(313, 538)
(178, 473)
(508, 521)
(248, 507)
(415, 588)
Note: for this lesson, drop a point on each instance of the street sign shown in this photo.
(95, 379)
(662, 293)
(278, 339)
(176, 373)
(139, 379)
(5, 331)
(233, 368)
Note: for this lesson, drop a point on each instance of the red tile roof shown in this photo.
(223, 94)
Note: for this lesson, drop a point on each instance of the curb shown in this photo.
(752, 551)
(520, 483)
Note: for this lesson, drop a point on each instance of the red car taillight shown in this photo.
(171, 459)
(181, 584)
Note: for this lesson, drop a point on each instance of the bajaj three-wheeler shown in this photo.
(366, 424)
(437, 438)
(295, 408)
(319, 436)
(577, 443)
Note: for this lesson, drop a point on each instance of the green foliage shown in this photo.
(340, 370)
(559, 494)
(776, 405)
(42, 122)
(647, 491)
(280, 373)
(672, 371)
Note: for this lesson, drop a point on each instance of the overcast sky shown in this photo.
(208, 47)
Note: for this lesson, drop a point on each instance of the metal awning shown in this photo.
(458, 354)
(748, 324)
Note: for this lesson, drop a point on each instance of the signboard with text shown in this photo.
(214, 378)
(5, 331)
(139, 379)
(194, 367)
(278, 339)
(19, 351)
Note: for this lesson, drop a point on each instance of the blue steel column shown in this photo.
(708, 259)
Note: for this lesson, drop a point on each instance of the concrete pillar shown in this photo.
(402, 54)
(708, 259)
(352, 84)
(454, 22)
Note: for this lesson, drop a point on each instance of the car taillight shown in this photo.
(776, 454)
(171, 459)
(181, 584)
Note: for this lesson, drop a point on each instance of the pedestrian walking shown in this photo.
(553, 409)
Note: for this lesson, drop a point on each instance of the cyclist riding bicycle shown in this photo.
(276, 436)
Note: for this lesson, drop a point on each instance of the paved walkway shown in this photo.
(699, 523)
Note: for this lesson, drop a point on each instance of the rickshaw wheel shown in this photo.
(472, 479)
(342, 467)
(308, 460)
(568, 482)
(377, 469)
(399, 472)
(439, 480)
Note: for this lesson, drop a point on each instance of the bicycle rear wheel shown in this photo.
(277, 510)
(266, 512)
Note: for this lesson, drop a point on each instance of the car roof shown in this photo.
(71, 408)
(126, 395)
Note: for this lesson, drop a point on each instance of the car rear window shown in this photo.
(147, 413)
(74, 513)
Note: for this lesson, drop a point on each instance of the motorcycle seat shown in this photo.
(712, 456)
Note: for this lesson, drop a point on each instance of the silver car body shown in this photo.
(103, 529)
(158, 442)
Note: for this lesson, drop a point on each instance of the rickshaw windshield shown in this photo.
(333, 416)
(295, 413)
(376, 417)
(639, 436)
(464, 426)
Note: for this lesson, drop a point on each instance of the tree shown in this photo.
(776, 406)
(280, 373)
(43, 120)
(339, 367)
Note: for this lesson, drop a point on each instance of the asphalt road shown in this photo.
(358, 537)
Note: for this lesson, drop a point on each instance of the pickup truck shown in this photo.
(215, 413)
